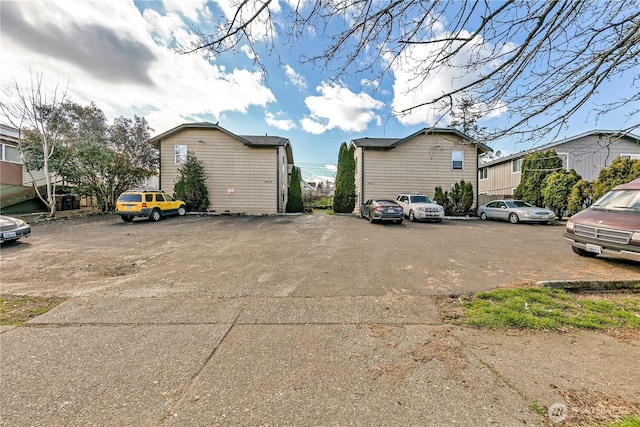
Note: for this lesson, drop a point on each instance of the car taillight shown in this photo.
(144, 205)
(377, 208)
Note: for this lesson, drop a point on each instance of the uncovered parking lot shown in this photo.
(293, 320)
(310, 255)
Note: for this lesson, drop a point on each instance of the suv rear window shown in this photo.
(130, 198)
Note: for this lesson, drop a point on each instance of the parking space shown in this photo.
(299, 256)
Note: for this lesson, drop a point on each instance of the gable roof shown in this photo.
(388, 143)
(251, 140)
(560, 142)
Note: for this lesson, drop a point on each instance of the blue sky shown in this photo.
(119, 55)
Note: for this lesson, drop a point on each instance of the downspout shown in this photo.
(361, 180)
(278, 207)
(160, 165)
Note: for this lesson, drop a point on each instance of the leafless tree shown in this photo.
(541, 59)
(38, 116)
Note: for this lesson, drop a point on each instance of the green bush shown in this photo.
(191, 186)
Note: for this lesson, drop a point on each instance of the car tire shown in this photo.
(584, 253)
(399, 221)
(483, 216)
(513, 218)
(412, 217)
(127, 218)
(182, 211)
(155, 215)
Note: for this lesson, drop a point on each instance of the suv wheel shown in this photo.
(412, 217)
(155, 215)
(127, 218)
(182, 211)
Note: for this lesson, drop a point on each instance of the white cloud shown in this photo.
(295, 78)
(187, 8)
(312, 126)
(332, 168)
(411, 88)
(284, 124)
(339, 107)
(151, 80)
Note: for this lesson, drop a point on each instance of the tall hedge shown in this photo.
(294, 201)
(535, 168)
(345, 194)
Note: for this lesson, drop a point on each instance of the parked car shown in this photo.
(12, 229)
(382, 210)
(610, 226)
(515, 211)
(417, 206)
(152, 204)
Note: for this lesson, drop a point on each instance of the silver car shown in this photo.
(515, 211)
(11, 229)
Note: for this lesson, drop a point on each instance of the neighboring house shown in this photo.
(587, 153)
(11, 170)
(429, 158)
(245, 173)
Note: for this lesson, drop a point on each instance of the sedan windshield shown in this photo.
(420, 199)
(518, 204)
(620, 199)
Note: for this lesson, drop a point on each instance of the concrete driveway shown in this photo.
(293, 320)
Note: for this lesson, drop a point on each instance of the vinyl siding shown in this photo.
(417, 165)
(251, 172)
(587, 156)
(500, 180)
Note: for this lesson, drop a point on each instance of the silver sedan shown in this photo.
(515, 211)
(11, 229)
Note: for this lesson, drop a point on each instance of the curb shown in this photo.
(592, 285)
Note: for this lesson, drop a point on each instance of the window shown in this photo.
(10, 154)
(181, 153)
(565, 160)
(159, 198)
(516, 166)
(457, 158)
(484, 172)
(630, 156)
(148, 197)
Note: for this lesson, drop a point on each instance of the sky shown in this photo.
(120, 55)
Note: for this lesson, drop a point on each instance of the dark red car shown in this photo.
(611, 226)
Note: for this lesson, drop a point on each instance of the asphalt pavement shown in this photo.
(246, 342)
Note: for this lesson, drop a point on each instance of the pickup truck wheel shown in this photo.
(155, 215)
(412, 217)
(182, 211)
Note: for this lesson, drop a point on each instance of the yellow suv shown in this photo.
(152, 204)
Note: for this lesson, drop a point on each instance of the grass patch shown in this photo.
(17, 309)
(546, 308)
(633, 421)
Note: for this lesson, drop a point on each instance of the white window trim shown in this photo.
(175, 153)
(486, 174)
(631, 156)
(462, 153)
(3, 154)
(512, 163)
(566, 166)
